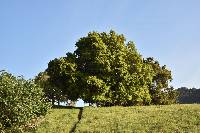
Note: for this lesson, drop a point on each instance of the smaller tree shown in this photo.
(160, 91)
(52, 93)
(63, 76)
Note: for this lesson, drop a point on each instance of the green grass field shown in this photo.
(163, 119)
(58, 121)
(137, 119)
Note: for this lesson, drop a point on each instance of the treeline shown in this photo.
(188, 95)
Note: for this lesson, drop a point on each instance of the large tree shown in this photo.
(107, 70)
(112, 71)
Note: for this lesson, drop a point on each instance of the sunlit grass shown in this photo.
(137, 119)
(58, 121)
(164, 119)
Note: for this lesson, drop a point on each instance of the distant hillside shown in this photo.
(188, 96)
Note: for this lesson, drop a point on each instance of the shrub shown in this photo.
(20, 101)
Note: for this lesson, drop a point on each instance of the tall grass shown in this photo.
(58, 121)
(139, 119)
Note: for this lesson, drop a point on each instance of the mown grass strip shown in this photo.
(79, 118)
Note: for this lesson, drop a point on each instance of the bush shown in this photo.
(20, 101)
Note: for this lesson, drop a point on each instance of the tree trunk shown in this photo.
(58, 102)
(53, 101)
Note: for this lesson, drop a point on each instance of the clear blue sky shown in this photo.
(34, 32)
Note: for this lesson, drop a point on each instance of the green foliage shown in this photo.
(160, 91)
(95, 90)
(141, 119)
(20, 101)
(119, 75)
(51, 92)
(107, 70)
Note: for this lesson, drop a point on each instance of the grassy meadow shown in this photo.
(58, 121)
(136, 119)
(163, 119)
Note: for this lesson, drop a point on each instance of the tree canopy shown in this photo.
(107, 70)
